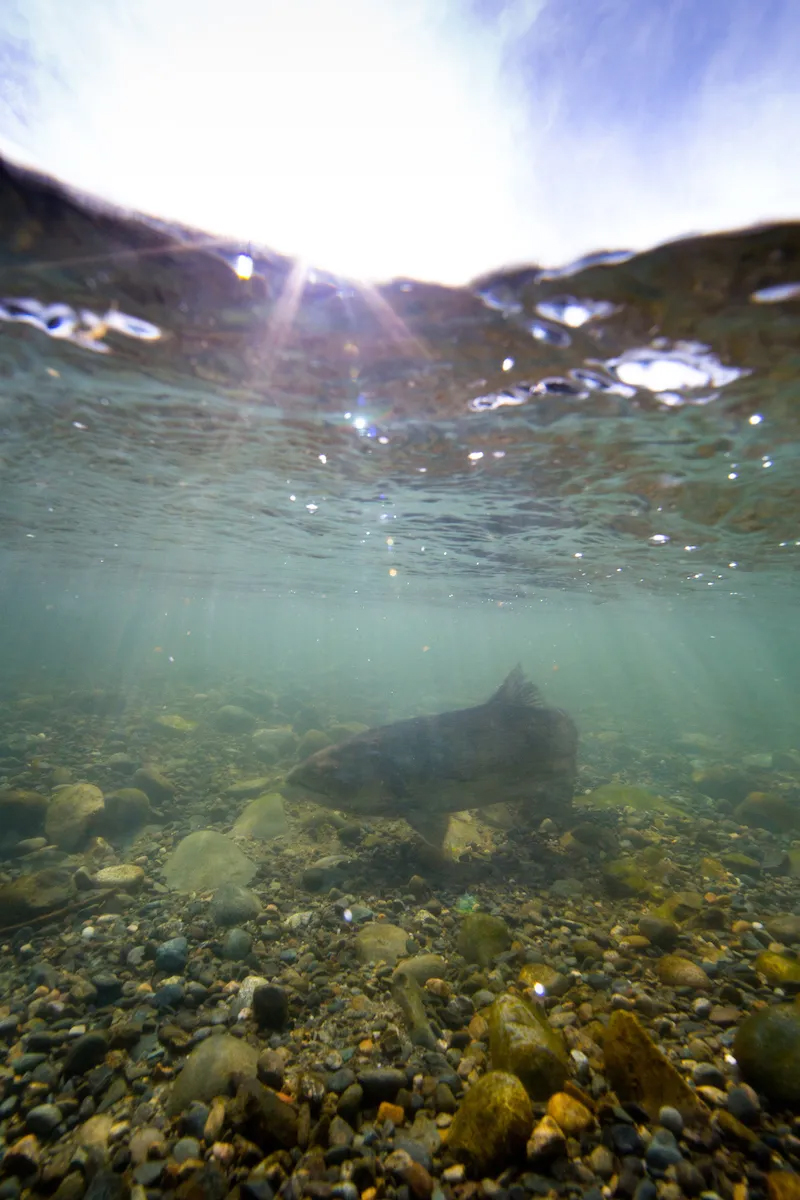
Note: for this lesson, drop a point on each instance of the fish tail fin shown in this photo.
(518, 691)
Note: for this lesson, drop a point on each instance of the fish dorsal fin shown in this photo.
(518, 691)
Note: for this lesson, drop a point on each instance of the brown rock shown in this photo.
(569, 1114)
(637, 1070)
(675, 971)
(546, 1142)
(72, 814)
(783, 1185)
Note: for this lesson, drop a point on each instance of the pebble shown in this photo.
(171, 956)
(671, 1119)
(44, 1119)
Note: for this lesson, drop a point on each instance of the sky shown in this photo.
(436, 139)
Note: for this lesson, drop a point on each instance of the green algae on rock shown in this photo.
(660, 931)
(31, 896)
(540, 975)
(675, 971)
(784, 927)
(72, 814)
(679, 906)
(768, 810)
(625, 795)
(492, 1124)
(637, 1070)
(767, 1049)
(624, 878)
(779, 970)
(522, 1041)
(482, 937)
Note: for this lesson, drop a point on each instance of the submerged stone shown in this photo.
(124, 811)
(522, 1042)
(22, 810)
(493, 1122)
(767, 1049)
(623, 878)
(381, 942)
(263, 818)
(625, 795)
(31, 896)
(675, 971)
(205, 860)
(72, 814)
(784, 927)
(768, 810)
(482, 937)
(637, 1070)
(210, 1069)
(779, 970)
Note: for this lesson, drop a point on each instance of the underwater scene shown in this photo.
(399, 743)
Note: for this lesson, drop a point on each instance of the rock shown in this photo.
(569, 1114)
(126, 877)
(671, 1119)
(311, 741)
(209, 1070)
(86, 1052)
(767, 1049)
(768, 810)
(744, 1104)
(408, 996)
(124, 811)
(493, 1123)
(679, 906)
(741, 863)
(482, 937)
(263, 818)
(722, 783)
(271, 1069)
(784, 927)
(783, 1185)
(171, 956)
(623, 795)
(381, 1083)
(205, 860)
(31, 896)
(623, 878)
(233, 904)
(416, 1176)
(248, 789)
(675, 971)
(72, 814)
(22, 811)
(263, 1116)
(637, 1070)
(272, 745)
(23, 1157)
(545, 980)
(422, 967)
(380, 942)
(270, 1006)
(174, 724)
(44, 1119)
(236, 945)
(155, 785)
(233, 719)
(546, 1142)
(779, 970)
(661, 931)
(522, 1043)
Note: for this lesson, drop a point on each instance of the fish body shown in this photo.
(512, 748)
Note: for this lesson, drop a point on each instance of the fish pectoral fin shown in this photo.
(431, 826)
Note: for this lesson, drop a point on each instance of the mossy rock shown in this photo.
(637, 1070)
(767, 1049)
(768, 810)
(738, 862)
(675, 971)
(522, 1041)
(624, 877)
(784, 927)
(482, 937)
(312, 741)
(679, 906)
(722, 783)
(779, 970)
(493, 1123)
(172, 723)
(625, 795)
(711, 868)
(540, 975)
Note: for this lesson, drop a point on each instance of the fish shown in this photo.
(511, 749)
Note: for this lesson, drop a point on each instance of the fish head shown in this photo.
(346, 776)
